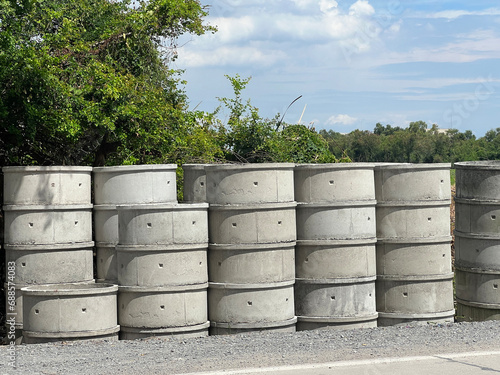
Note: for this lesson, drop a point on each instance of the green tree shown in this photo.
(249, 138)
(88, 82)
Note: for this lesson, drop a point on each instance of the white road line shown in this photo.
(329, 365)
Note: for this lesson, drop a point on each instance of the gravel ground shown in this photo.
(174, 356)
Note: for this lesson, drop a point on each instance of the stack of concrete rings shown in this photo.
(414, 274)
(251, 252)
(129, 184)
(335, 252)
(477, 240)
(48, 232)
(162, 270)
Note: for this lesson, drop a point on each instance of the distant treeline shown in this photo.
(415, 144)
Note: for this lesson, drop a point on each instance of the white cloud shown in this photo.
(454, 14)
(476, 45)
(328, 6)
(361, 8)
(341, 119)
(269, 30)
(225, 56)
(231, 29)
(304, 3)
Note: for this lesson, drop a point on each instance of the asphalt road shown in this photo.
(471, 363)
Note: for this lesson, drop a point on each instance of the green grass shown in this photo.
(452, 177)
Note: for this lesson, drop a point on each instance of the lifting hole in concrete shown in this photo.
(306, 260)
(444, 255)
(76, 223)
(279, 222)
(193, 222)
(405, 294)
(495, 286)
(234, 225)
(219, 263)
(429, 219)
(168, 182)
(160, 265)
(369, 218)
(80, 184)
(255, 183)
(162, 307)
(149, 225)
(23, 264)
(249, 303)
(332, 298)
(37, 311)
(30, 225)
(53, 184)
(202, 183)
(369, 294)
(331, 182)
(442, 181)
(493, 217)
(84, 310)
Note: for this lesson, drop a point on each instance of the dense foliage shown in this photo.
(249, 138)
(415, 144)
(87, 81)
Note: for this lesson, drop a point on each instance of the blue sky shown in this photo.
(355, 62)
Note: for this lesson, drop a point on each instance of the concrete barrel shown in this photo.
(339, 182)
(163, 311)
(477, 252)
(195, 183)
(241, 184)
(413, 219)
(65, 312)
(249, 263)
(339, 303)
(120, 185)
(478, 180)
(336, 220)
(151, 266)
(163, 223)
(252, 233)
(335, 251)
(414, 276)
(237, 308)
(135, 184)
(257, 223)
(477, 217)
(477, 239)
(48, 227)
(335, 259)
(47, 186)
(162, 270)
(51, 264)
(17, 308)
